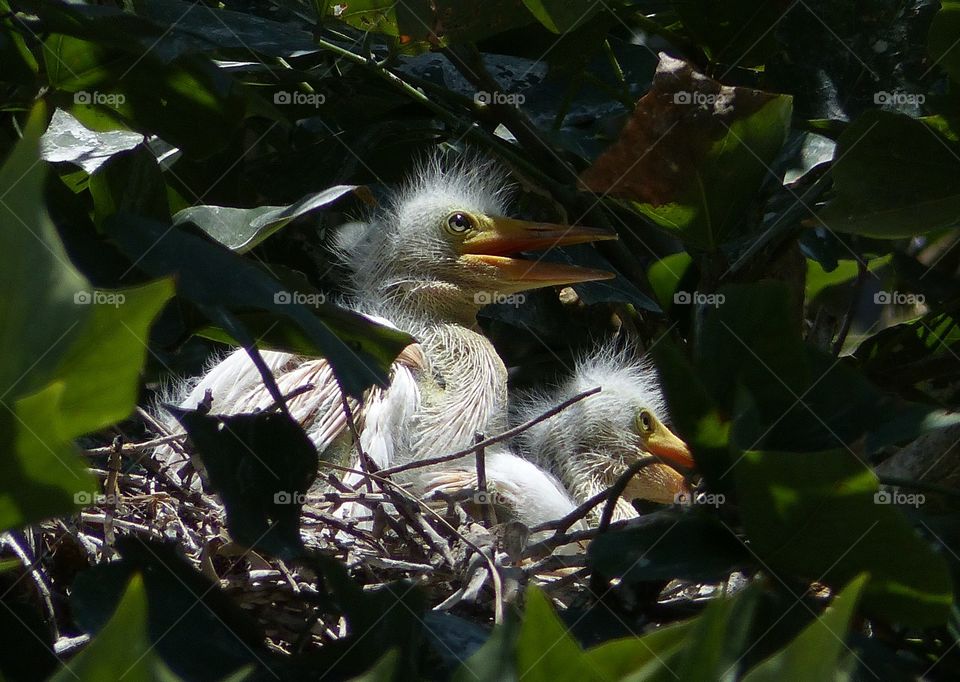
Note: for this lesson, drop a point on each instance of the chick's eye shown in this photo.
(459, 222)
(646, 421)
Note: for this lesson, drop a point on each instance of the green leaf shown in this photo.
(717, 641)
(815, 654)
(241, 229)
(261, 465)
(129, 181)
(545, 650)
(734, 33)
(560, 16)
(123, 648)
(184, 610)
(694, 154)
(669, 545)
(38, 282)
(665, 274)
(818, 516)
(71, 355)
(101, 371)
(218, 280)
(944, 36)
(41, 473)
(617, 658)
(495, 661)
(894, 177)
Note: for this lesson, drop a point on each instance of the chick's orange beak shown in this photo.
(496, 236)
(500, 236)
(666, 445)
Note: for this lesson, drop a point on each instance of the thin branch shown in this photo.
(493, 440)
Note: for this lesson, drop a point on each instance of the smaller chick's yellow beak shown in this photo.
(501, 236)
(666, 445)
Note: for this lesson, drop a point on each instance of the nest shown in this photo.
(465, 562)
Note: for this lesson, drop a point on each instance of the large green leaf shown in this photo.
(122, 649)
(220, 281)
(815, 654)
(667, 545)
(736, 32)
(72, 355)
(191, 103)
(241, 229)
(694, 154)
(818, 516)
(894, 177)
(561, 16)
(944, 38)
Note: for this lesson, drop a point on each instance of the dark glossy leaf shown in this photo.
(943, 37)
(819, 517)
(129, 182)
(122, 647)
(241, 229)
(72, 355)
(893, 177)
(669, 545)
(694, 154)
(816, 653)
(68, 140)
(261, 465)
(735, 33)
(183, 608)
(560, 16)
(212, 276)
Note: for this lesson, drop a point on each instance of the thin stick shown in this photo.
(506, 435)
(616, 490)
(489, 513)
(494, 572)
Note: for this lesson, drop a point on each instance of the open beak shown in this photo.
(663, 443)
(499, 236)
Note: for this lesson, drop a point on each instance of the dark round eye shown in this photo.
(645, 419)
(459, 222)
